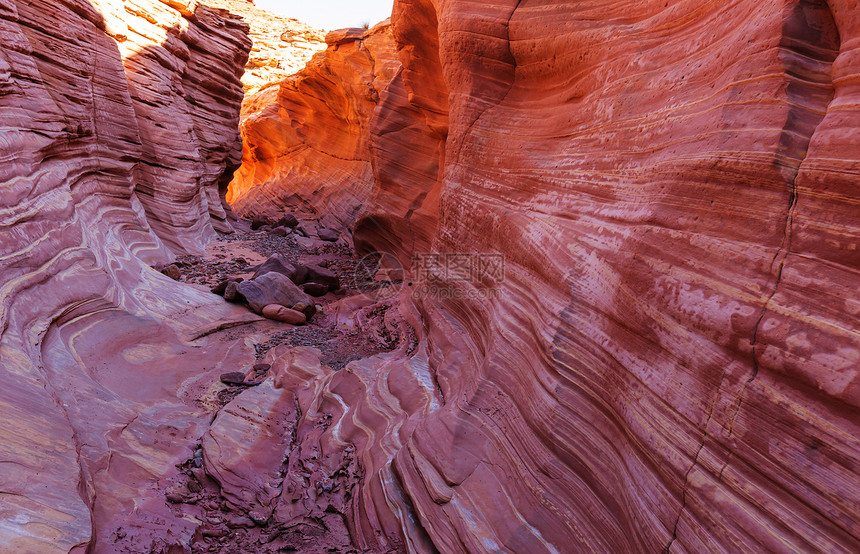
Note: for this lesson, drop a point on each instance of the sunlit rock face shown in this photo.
(183, 64)
(308, 143)
(282, 45)
(671, 358)
(118, 122)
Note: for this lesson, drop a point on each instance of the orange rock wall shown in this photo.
(307, 144)
(671, 360)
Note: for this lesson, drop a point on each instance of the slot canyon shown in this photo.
(514, 276)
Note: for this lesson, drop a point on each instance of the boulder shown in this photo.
(278, 264)
(231, 292)
(172, 271)
(288, 220)
(272, 288)
(221, 287)
(259, 221)
(315, 289)
(279, 231)
(325, 276)
(284, 315)
(327, 235)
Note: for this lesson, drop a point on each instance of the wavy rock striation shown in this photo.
(307, 144)
(118, 123)
(670, 360)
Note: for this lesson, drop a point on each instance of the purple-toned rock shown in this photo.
(325, 276)
(288, 220)
(328, 235)
(315, 289)
(272, 288)
(172, 271)
(231, 292)
(233, 378)
(278, 264)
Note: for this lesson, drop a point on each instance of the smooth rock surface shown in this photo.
(272, 288)
(284, 315)
(669, 359)
(315, 129)
(103, 358)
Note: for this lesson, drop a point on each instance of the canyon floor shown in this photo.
(192, 494)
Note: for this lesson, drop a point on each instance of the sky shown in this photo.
(331, 14)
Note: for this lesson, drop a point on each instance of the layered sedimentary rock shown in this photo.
(307, 143)
(118, 121)
(282, 45)
(183, 63)
(670, 358)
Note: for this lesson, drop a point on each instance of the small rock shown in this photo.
(308, 309)
(258, 518)
(306, 243)
(214, 532)
(262, 368)
(233, 378)
(279, 232)
(175, 498)
(221, 287)
(260, 221)
(236, 522)
(200, 475)
(284, 314)
(288, 220)
(315, 289)
(327, 235)
(231, 293)
(172, 271)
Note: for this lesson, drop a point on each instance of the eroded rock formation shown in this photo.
(671, 359)
(667, 359)
(282, 45)
(307, 143)
(118, 122)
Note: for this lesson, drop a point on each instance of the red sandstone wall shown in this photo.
(672, 359)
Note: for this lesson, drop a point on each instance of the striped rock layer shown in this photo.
(671, 357)
(118, 121)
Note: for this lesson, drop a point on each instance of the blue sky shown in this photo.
(330, 14)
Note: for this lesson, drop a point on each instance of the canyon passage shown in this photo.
(510, 276)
